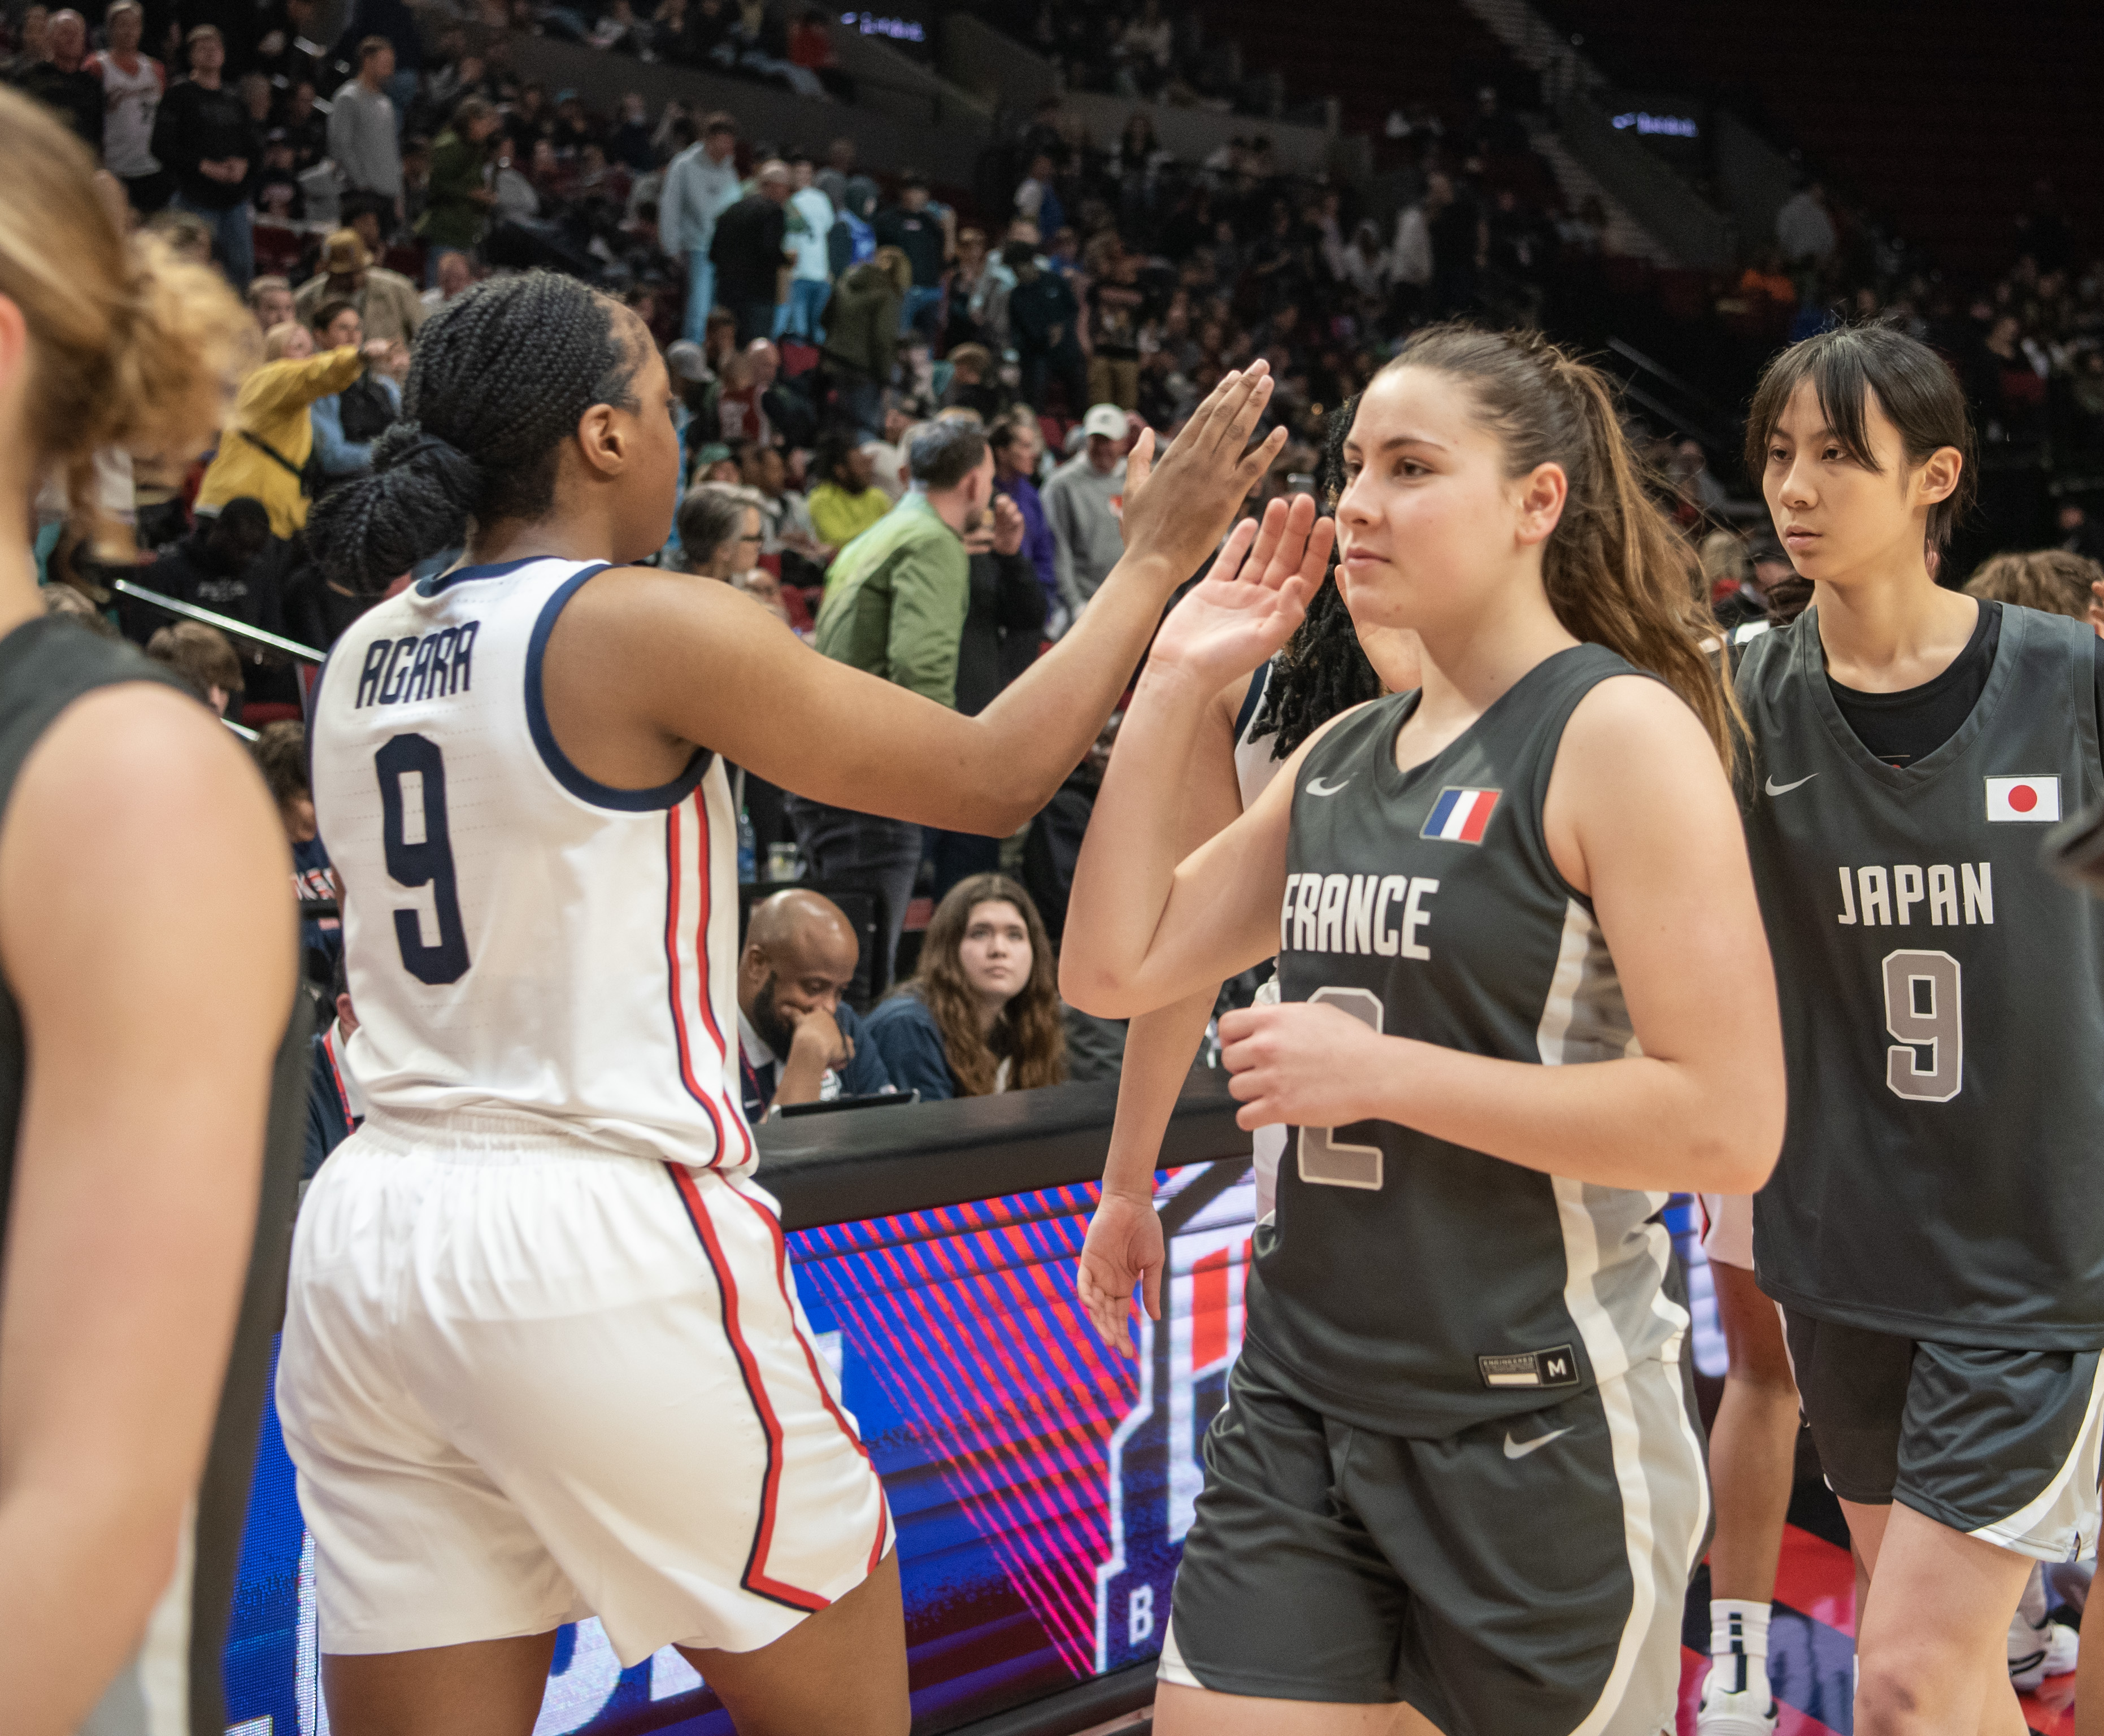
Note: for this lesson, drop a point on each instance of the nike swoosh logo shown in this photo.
(1315, 786)
(1521, 1448)
(1776, 788)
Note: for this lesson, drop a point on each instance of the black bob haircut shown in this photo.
(1848, 367)
(500, 378)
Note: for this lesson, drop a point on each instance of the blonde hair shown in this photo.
(204, 657)
(129, 347)
(2049, 579)
(1724, 554)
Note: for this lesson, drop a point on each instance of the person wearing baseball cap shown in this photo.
(1082, 503)
(387, 302)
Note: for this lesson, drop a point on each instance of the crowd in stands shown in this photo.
(2029, 344)
(904, 412)
(1160, 51)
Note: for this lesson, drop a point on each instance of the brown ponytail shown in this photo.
(129, 346)
(1616, 573)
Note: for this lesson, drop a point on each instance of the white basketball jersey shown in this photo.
(1255, 767)
(519, 936)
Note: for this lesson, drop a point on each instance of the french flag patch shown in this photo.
(2034, 799)
(1460, 815)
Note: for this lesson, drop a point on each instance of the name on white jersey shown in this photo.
(430, 665)
(1877, 896)
(1356, 913)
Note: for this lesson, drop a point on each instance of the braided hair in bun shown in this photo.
(499, 379)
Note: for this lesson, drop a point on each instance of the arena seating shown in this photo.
(1851, 98)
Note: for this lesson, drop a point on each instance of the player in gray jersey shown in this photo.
(1501, 906)
(1250, 730)
(1935, 1228)
(147, 970)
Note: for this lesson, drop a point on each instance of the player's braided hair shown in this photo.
(1321, 670)
(501, 376)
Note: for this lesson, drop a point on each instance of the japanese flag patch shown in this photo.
(2035, 800)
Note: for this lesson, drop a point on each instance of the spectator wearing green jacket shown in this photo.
(895, 603)
(861, 334)
(457, 201)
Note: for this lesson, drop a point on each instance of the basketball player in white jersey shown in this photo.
(543, 1356)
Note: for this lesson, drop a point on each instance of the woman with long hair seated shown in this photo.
(981, 1014)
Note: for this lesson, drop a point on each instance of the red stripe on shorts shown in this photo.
(811, 1356)
(672, 971)
(755, 1578)
(702, 955)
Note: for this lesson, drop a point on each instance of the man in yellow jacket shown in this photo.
(270, 435)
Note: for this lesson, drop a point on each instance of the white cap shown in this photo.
(1106, 419)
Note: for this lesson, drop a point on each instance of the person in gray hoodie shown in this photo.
(1081, 504)
(700, 183)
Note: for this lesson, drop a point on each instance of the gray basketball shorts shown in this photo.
(1523, 1578)
(2001, 1444)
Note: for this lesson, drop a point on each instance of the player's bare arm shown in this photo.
(1124, 1250)
(685, 663)
(135, 1194)
(1146, 932)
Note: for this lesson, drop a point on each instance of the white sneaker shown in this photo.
(2049, 1648)
(1724, 1713)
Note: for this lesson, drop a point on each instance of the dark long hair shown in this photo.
(1617, 574)
(501, 376)
(1029, 1034)
(1914, 387)
(1321, 670)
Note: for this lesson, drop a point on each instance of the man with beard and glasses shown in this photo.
(798, 1041)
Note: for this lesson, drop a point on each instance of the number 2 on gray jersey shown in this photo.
(1912, 979)
(1326, 1160)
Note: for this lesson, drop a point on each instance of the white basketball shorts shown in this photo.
(524, 1381)
(1729, 1239)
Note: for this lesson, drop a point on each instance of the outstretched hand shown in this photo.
(1248, 605)
(1121, 1261)
(1178, 509)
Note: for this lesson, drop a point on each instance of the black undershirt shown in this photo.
(1902, 727)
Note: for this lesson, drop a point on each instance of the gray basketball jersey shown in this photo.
(1410, 1285)
(1942, 1175)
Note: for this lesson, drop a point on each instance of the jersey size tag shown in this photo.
(1556, 1368)
(2033, 799)
(1461, 816)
